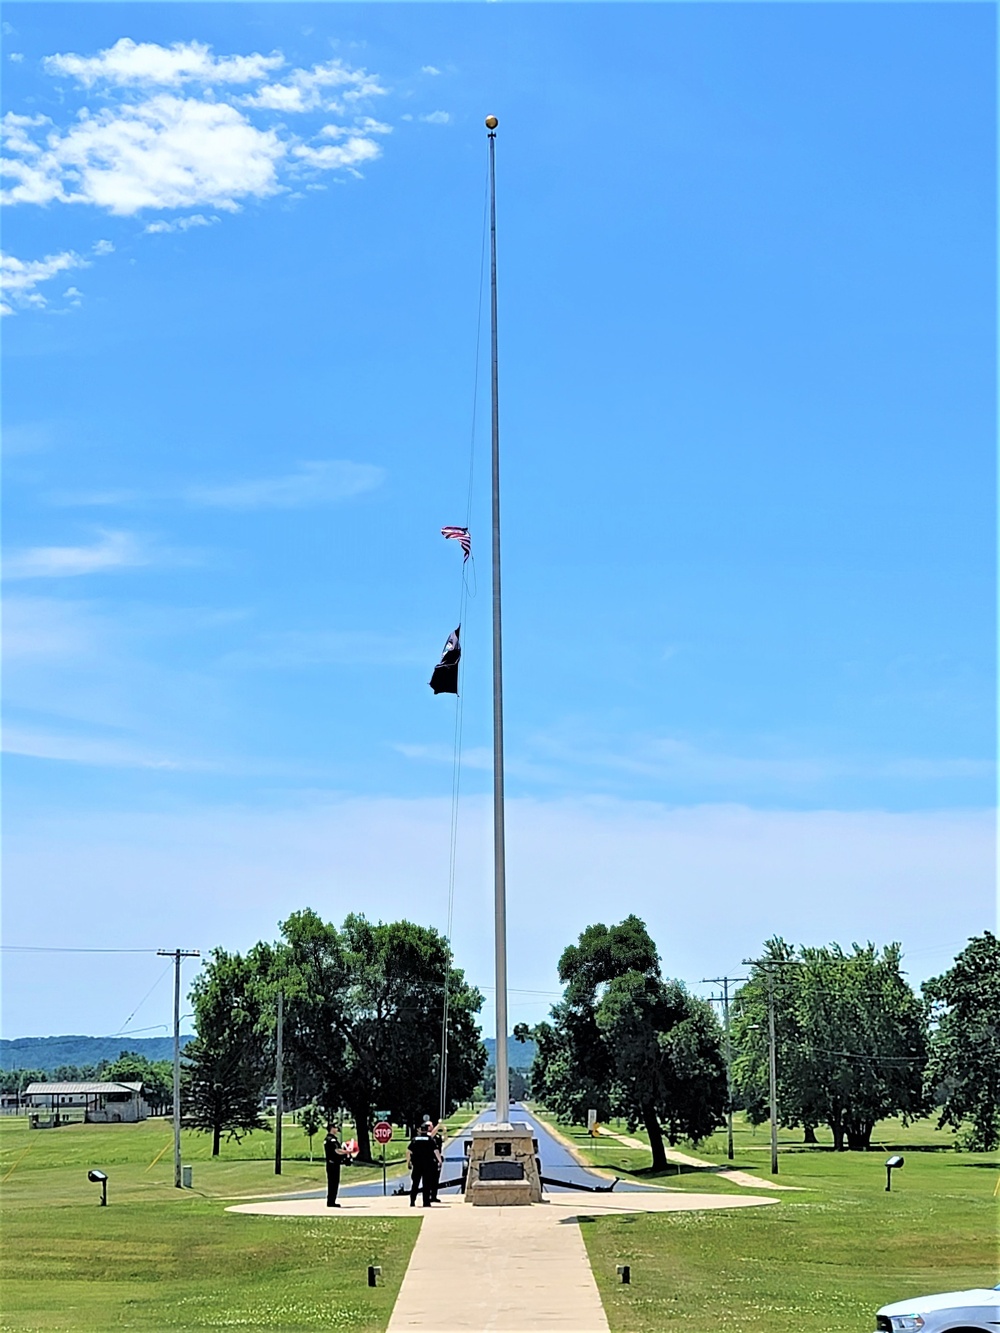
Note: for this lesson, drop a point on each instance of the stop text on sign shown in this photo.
(382, 1132)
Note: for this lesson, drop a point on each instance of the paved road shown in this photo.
(557, 1161)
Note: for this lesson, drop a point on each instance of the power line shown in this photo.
(47, 948)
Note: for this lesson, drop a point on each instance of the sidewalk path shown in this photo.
(685, 1159)
(504, 1270)
(510, 1269)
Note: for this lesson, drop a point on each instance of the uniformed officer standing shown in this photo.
(334, 1152)
(437, 1138)
(424, 1161)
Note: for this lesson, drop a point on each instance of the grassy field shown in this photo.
(162, 1258)
(823, 1259)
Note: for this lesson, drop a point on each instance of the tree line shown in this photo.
(156, 1076)
(855, 1043)
(362, 1007)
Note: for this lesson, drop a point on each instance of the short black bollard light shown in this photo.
(374, 1272)
(892, 1164)
(624, 1271)
(99, 1178)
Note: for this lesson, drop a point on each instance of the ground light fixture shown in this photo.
(892, 1164)
(99, 1178)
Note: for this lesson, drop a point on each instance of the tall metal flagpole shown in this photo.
(499, 861)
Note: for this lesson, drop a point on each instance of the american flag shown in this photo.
(459, 535)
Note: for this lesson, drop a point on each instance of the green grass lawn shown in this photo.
(162, 1258)
(824, 1259)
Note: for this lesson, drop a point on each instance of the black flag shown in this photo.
(444, 679)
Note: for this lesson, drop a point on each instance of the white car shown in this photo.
(954, 1312)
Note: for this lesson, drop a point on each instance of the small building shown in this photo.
(52, 1104)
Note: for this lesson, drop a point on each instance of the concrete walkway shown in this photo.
(510, 1269)
(685, 1159)
(501, 1270)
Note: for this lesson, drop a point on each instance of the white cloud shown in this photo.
(145, 63)
(436, 118)
(91, 750)
(229, 874)
(670, 761)
(350, 154)
(165, 152)
(313, 484)
(103, 248)
(16, 57)
(429, 69)
(307, 90)
(115, 550)
(92, 499)
(180, 224)
(41, 628)
(20, 277)
(172, 132)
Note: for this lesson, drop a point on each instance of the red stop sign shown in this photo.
(382, 1132)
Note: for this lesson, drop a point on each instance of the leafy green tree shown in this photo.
(963, 1073)
(79, 1073)
(518, 1084)
(311, 1120)
(16, 1080)
(230, 1063)
(156, 1076)
(625, 1041)
(850, 1035)
(363, 1008)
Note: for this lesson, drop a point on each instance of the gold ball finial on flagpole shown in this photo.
(491, 122)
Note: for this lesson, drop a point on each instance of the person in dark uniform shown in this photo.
(423, 1159)
(437, 1138)
(335, 1153)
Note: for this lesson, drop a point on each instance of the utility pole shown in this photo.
(177, 955)
(768, 964)
(279, 1081)
(772, 1072)
(724, 983)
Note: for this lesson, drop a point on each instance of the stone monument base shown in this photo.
(502, 1166)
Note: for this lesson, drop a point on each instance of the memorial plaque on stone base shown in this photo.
(502, 1166)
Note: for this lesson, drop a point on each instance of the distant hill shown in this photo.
(519, 1053)
(49, 1053)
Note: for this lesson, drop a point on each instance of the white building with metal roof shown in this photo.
(51, 1104)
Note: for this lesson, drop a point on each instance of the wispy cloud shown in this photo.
(41, 628)
(98, 751)
(312, 484)
(164, 128)
(114, 550)
(436, 118)
(429, 69)
(813, 876)
(181, 224)
(317, 483)
(669, 759)
(150, 65)
(472, 756)
(19, 278)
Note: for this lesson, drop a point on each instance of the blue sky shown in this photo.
(748, 400)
